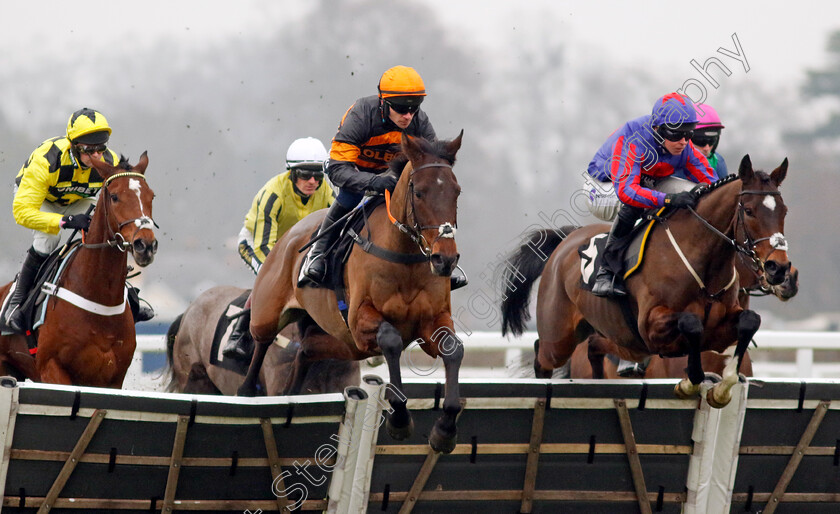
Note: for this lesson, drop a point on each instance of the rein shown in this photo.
(115, 238)
(747, 248)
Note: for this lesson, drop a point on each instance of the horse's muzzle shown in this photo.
(443, 265)
(776, 272)
(789, 286)
(144, 251)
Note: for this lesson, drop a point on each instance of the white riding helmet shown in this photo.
(306, 152)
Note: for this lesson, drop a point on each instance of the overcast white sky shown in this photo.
(780, 39)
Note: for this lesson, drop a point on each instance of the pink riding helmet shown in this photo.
(709, 117)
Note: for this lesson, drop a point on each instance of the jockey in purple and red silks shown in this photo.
(654, 146)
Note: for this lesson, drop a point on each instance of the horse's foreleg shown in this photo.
(400, 425)
(596, 352)
(52, 373)
(444, 435)
(690, 326)
(721, 394)
(297, 374)
(250, 386)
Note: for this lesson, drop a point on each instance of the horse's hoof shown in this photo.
(400, 433)
(717, 403)
(442, 443)
(686, 392)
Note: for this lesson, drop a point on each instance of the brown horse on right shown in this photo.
(682, 300)
(588, 360)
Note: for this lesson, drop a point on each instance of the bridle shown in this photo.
(115, 238)
(745, 248)
(415, 230)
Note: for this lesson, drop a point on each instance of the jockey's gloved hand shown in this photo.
(380, 183)
(681, 200)
(79, 221)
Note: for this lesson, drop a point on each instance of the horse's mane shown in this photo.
(762, 176)
(718, 184)
(124, 164)
(437, 148)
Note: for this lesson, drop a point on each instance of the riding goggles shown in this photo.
(701, 140)
(89, 149)
(675, 135)
(306, 174)
(403, 109)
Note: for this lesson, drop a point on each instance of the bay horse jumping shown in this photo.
(90, 340)
(588, 359)
(683, 299)
(190, 341)
(396, 294)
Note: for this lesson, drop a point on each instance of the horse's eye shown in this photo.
(114, 198)
(418, 194)
(748, 211)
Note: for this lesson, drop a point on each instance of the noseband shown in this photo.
(415, 231)
(115, 238)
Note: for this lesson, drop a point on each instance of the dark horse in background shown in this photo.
(588, 360)
(395, 296)
(190, 341)
(77, 346)
(676, 308)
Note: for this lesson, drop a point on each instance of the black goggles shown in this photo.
(403, 109)
(704, 140)
(305, 174)
(89, 149)
(675, 135)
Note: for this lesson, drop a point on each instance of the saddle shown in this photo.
(224, 327)
(592, 252)
(34, 306)
(349, 233)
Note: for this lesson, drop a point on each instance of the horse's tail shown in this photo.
(523, 268)
(170, 352)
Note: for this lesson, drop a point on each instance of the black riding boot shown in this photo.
(607, 281)
(139, 311)
(15, 318)
(241, 344)
(315, 266)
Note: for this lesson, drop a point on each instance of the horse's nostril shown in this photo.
(437, 259)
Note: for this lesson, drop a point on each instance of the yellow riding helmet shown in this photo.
(402, 82)
(88, 126)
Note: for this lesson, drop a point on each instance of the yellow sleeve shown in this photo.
(31, 192)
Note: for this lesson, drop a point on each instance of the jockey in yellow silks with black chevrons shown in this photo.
(283, 201)
(53, 190)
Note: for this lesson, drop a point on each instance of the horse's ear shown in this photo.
(780, 173)
(745, 170)
(411, 148)
(142, 163)
(453, 146)
(104, 169)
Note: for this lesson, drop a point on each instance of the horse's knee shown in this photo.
(389, 340)
(690, 325)
(451, 349)
(748, 323)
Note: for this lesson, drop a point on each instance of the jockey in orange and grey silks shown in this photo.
(53, 174)
(364, 144)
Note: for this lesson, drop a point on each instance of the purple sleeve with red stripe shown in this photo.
(627, 174)
(697, 166)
